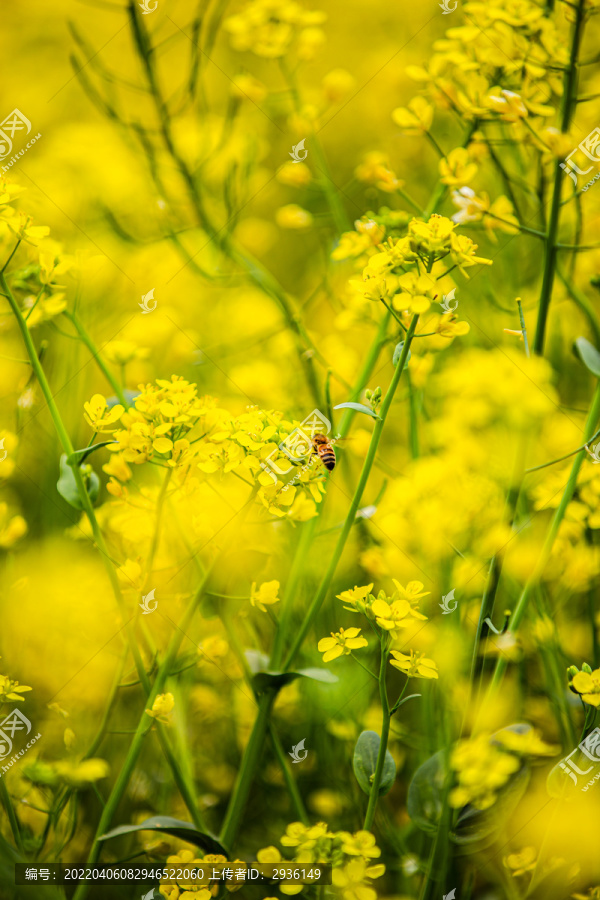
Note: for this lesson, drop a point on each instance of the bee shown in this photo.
(323, 449)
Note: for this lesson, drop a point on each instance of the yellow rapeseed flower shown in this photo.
(265, 596)
(11, 690)
(587, 685)
(341, 642)
(162, 708)
(416, 665)
(99, 416)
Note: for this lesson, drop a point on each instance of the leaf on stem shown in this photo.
(364, 763)
(358, 407)
(398, 353)
(588, 355)
(67, 486)
(80, 455)
(263, 679)
(185, 831)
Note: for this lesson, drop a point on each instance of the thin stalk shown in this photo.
(523, 328)
(355, 504)
(81, 488)
(413, 407)
(291, 589)
(550, 251)
(340, 218)
(250, 760)
(86, 339)
(537, 573)
(290, 781)
(185, 788)
(253, 749)
(146, 723)
(585, 305)
(221, 237)
(162, 496)
(385, 733)
(11, 815)
(261, 723)
(566, 456)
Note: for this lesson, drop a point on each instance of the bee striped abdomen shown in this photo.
(327, 457)
(322, 447)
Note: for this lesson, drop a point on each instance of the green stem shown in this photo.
(354, 506)
(340, 218)
(583, 303)
(290, 781)
(553, 222)
(162, 496)
(81, 488)
(12, 816)
(221, 237)
(413, 406)
(545, 554)
(253, 749)
(86, 339)
(385, 733)
(291, 589)
(146, 723)
(248, 766)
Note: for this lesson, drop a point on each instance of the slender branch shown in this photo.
(74, 318)
(570, 78)
(546, 552)
(385, 733)
(362, 482)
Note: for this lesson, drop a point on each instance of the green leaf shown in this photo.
(398, 353)
(425, 792)
(365, 763)
(588, 355)
(185, 831)
(264, 679)
(80, 455)
(359, 407)
(67, 486)
(316, 674)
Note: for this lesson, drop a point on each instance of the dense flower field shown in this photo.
(334, 268)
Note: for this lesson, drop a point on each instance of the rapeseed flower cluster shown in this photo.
(351, 856)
